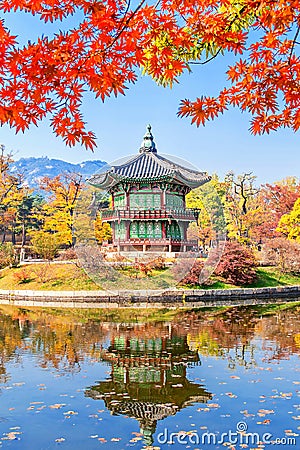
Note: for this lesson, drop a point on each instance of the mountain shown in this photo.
(33, 169)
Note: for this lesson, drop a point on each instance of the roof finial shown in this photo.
(148, 144)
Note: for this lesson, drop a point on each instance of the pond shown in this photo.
(203, 380)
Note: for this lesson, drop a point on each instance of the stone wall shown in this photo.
(196, 298)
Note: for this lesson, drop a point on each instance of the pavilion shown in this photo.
(148, 210)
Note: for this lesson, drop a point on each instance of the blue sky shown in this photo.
(222, 145)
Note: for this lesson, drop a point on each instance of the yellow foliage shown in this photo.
(289, 224)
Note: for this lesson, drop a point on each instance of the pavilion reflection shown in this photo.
(148, 379)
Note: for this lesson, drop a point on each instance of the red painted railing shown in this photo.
(147, 214)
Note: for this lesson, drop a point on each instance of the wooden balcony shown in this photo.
(148, 214)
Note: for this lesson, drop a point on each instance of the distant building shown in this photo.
(148, 211)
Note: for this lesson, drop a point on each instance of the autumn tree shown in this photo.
(192, 277)
(237, 264)
(45, 244)
(242, 210)
(63, 193)
(284, 254)
(8, 255)
(12, 194)
(114, 39)
(207, 201)
(289, 224)
(103, 231)
(276, 200)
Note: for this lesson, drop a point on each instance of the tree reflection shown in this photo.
(10, 340)
(156, 354)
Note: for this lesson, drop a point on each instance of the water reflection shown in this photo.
(150, 365)
(148, 378)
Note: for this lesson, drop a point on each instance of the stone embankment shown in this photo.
(175, 298)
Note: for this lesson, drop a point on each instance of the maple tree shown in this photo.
(114, 40)
(276, 200)
(192, 277)
(237, 264)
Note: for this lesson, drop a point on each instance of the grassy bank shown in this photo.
(64, 277)
(47, 276)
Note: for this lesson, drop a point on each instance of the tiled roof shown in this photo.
(149, 165)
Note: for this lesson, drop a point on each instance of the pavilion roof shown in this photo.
(149, 165)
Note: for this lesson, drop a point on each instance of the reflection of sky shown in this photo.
(221, 146)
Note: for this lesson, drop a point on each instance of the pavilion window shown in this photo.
(145, 201)
(150, 230)
(120, 230)
(134, 230)
(157, 230)
(142, 230)
(173, 231)
(174, 201)
(119, 201)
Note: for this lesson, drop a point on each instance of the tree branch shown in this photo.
(293, 44)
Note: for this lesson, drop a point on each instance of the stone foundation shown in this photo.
(150, 299)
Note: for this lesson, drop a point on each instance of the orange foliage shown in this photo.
(112, 41)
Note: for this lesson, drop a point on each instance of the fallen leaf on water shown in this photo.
(135, 439)
(263, 412)
(230, 394)
(290, 433)
(286, 394)
(12, 435)
(246, 413)
(266, 422)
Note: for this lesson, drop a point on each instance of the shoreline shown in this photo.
(170, 299)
